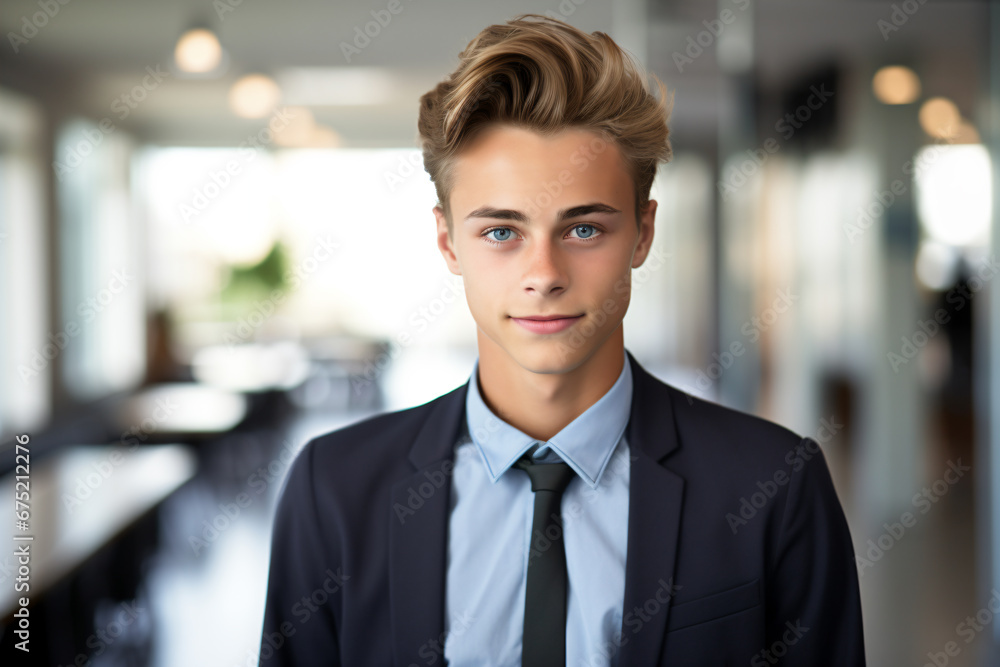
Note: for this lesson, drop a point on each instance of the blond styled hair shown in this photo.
(545, 75)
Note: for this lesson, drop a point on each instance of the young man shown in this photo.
(563, 506)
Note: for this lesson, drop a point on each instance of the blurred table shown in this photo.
(179, 409)
(339, 372)
(251, 367)
(81, 499)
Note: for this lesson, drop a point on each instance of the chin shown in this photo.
(553, 355)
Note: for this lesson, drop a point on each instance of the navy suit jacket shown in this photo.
(738, 549)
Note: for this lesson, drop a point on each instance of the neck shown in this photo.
(542, 404)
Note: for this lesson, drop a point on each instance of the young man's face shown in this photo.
(543, 227)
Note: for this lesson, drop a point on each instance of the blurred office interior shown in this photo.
(216, 242)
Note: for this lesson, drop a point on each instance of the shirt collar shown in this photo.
(586, 443)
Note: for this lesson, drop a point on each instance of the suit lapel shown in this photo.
(655, 496)
(418, 541)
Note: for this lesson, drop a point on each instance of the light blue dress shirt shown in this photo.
(489, 530)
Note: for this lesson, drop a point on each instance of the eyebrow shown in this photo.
(518, 216)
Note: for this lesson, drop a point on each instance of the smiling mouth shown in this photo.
(547, 318)
(547, 324)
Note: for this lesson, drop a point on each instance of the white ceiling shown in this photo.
(93, 50)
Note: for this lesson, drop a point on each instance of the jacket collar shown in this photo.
(586, 443)
(418, 541)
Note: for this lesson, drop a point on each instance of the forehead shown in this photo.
(506, 165)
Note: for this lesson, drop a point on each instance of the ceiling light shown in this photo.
(304, 132)
(198, 51)
(254, 96)
(940, 118)
(896, 85)
(967, 133)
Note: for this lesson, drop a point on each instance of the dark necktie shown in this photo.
(545, 599)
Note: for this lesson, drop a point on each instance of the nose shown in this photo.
(545, 267)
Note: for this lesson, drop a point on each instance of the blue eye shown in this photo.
(589, 235)
(505, 233)
(498, 236)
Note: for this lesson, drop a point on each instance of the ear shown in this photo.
(445, 243)
(646, 228)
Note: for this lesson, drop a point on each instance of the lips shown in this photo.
(544, 318)
(546, 324)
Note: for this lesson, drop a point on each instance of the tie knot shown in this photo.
(545, 476)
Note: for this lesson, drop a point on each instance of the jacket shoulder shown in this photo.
(708, 414)
(384, 437)
(730, 436)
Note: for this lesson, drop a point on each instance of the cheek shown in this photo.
(609, 276)
(476, 255)
(489, 274)
(480, 271)
(482, 292)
